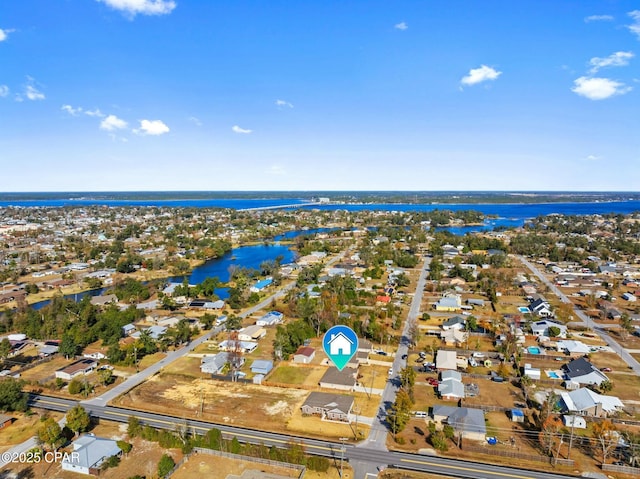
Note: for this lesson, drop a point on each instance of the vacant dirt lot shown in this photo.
(203, 465)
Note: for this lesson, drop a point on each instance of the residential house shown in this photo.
(335, 407)
(541, 307)
(77, 368)
(445, 360)
(450, 386)
(104, 300)
(454, 337)
(262, 366)
(533, 373)
(252, 333)
(206, 304)
(466, 422)
(304, 355)
(334, 379)
(629, 297)
(585, 402)
(572, 347)
(541, 328)
(244, 346)
(456, 322)
(215, 364)
(89, 454)
(128, 329)
(260, 285)
(270, 319)
(449, 302)
(581, 371)
(47, 350)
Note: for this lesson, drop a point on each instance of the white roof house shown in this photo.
(89, 452)
(541, 328)
(585, 402)
(573, 347)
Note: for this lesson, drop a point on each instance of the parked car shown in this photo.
(606, 370)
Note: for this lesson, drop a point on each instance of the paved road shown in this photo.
(586, 320)
(356, 455)
(377, 438)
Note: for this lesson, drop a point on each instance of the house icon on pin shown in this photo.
(340, 345)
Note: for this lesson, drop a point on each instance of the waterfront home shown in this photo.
(261, 285)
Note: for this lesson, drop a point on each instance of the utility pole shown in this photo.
(342, 449)
(373, 377)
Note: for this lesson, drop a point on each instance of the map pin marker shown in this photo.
(340, 344)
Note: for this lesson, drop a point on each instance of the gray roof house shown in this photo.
(582, 371)
(450, 386)
(456, 322)
(334, 379)
(89, 452)
(541, 328)
(467, 422)
(585, 402)
(215, 364)
(335, 407)
(261, 366)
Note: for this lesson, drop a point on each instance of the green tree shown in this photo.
(5, 348)
(166, 465)
(50, 433)
(554, 332)
(605, 386)
(78, 419)
(11, 396)
(68, 347)
(133, 426)
(105, 376)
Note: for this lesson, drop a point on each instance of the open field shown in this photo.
(22, 428)
(204, 465)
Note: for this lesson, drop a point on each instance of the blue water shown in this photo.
(238, 204)
(533, 350)
(76, 297)
(553, 375)
(524, 309)
(245, 256)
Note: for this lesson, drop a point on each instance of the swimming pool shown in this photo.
(533, 350)
(523, 309)
(553, 375)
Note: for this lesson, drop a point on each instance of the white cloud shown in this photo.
(593, 158)
(283, 103)
(152, 127)
(237, 129)
(33, 93)
(277, 170)
(617, 59)
(94, 113)
(401, 26)
(112, 123)
(4, 91)
(635, 26)
(598, 18)
(144, 7)
(598, 88)
(4, 34)
(71, 110)
(479, 75)
(195, 121)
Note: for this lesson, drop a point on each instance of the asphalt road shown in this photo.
(586, 320)
(375, 458)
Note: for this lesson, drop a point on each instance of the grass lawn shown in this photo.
(22, 428)
(289, 375)
(204, 465)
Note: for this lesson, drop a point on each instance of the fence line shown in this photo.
(518, 455)
(623, 469)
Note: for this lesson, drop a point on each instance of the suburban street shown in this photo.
(374, 458)
(586, 320)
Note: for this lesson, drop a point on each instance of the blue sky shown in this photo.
(103, 95)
